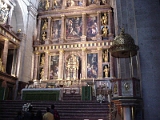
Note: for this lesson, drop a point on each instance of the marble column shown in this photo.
(64, 4)
(5, 54)
(100, 60)
(84, 64)
(36, 55)
(51, 4)
(48, 31)
(110, 20)
(46, 66)
(62, 29)
(14, 65)
(83, 37)
(39, 29)
(61, 65)
(98, 36)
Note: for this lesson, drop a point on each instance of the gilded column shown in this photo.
(46, 66)
(5, 54)
(39, 28)
(62, 29)
(36, 55)
(48, 31)
(61, 65)
(84, 61)
(110, 19)
(98, 36)
(83, 37)
(100, 72)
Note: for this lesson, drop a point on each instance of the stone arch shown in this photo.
(17, 20)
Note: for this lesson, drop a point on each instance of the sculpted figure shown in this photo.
(104, 19)
(105, 56)
(42, 60)
(106, 71)
(104, 31)
(1, 66)
(44, 36)
(45, 25)
(42, 74)
(47, 5)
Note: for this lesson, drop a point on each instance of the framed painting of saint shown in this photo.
(92, 28)
(56, 30)
(54, 62)
(92, 65)
(73, 27)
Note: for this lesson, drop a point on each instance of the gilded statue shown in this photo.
(55, 4)
(42, 74)
(104, 19)
(47, 5)
(104, 31)
(45, 25)
(106, 71)
(44, 36)
(1, 66)
(105, 56)
(42, 60)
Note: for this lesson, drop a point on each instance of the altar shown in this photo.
(44, 94)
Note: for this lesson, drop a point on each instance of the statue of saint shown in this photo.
(42, 74)
(44, 36)
(106, 71)
(105, 56)
(47, 5)
(1, 66)
(45, 25)
(104, 31)
(104, 19)
(42, 59)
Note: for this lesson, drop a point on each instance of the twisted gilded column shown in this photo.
(5, 54)
(46, 65)
(100, 72)
(48, 30)
(110, 19)
(36, 55)
(61, 65)
(98, 36)
(84, 62)
(83, 37)
(62, 29)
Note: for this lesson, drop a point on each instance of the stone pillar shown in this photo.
(13, 71)
(51, 4)
(98, 36)
(61, 65)
(83, 37)
(5, 54)
(62, 29)
(64, 4)
(36, 55)
(39, 29)
(46, 66)
(110, 20)
(84, 3)
(48, 31)
(84, 61)
(100, 68)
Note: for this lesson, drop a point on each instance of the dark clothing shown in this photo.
(28, 116)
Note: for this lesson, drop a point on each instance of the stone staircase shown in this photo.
(71, 108)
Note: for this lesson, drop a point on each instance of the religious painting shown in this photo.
(92, 28)
(71, 3)
(92, 65)
(56, 30)
(73, 27)
(54, 62)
